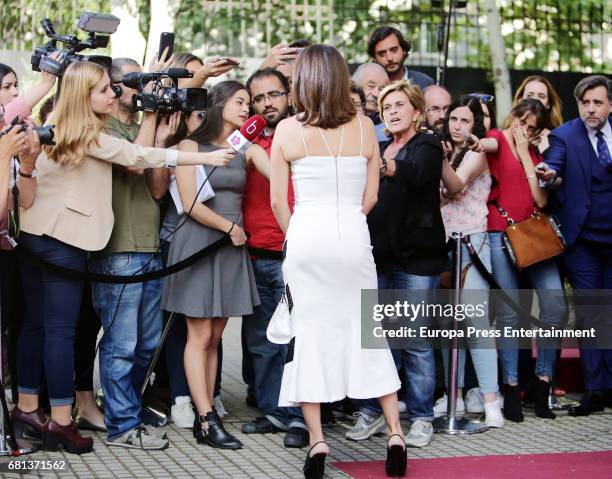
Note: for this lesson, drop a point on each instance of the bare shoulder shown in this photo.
(286, 127)
(188, 145)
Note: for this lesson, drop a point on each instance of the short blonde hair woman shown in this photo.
(414, 95)
(69, 213)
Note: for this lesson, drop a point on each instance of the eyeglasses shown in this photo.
(483, 97)
(437, 109)
(273, 95)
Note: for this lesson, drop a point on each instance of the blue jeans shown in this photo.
(419, 364)
(46, 343)
(129, 339)
(268, 359)
(484, 354)
(544, 278)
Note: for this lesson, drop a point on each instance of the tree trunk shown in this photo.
(501, 74)
(127, 40)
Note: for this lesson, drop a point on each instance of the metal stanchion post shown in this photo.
(150, 415)
(450, 424)
(22, 446)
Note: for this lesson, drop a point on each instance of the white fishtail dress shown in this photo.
(328, 262)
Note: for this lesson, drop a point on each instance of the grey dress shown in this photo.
(221, 284)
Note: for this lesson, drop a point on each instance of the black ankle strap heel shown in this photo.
(314, 466)
(397, 458)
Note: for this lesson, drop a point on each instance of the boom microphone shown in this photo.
(135, 79)
(241, 140)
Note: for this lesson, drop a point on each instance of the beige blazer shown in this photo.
(74, 203)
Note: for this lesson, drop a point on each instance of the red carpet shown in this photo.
(574, 465)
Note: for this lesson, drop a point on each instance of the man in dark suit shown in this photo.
(580, 154)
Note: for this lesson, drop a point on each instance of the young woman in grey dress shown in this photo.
(222, 284)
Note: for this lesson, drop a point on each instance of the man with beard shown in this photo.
(372, 78)
(269, 91)
(388, 47)
(437, 101)
(130, 314)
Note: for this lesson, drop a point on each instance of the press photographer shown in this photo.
(70, 216)
(133, 311)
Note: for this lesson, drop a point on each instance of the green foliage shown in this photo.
(20, 20)
(539, 34)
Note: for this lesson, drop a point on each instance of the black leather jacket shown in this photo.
(406, 225)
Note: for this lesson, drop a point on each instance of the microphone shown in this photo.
(241, 140)
(135, 79)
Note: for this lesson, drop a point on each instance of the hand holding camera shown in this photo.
(12, 141)
(29, 153)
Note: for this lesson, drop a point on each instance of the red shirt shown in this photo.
(259, 220)
(510, 188)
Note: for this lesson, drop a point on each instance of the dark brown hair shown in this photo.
(534, 107)
(321, 88)
(212, 126)
(381, 33)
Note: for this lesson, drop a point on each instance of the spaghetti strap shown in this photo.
(303, 139)
(360, 135)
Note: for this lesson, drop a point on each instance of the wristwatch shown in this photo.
(28, 175)
(384, 166)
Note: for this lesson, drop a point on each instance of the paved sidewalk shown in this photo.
(264, 456)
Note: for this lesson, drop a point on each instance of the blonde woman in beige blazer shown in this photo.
(66, 213)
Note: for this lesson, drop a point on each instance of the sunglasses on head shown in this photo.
(483, 97)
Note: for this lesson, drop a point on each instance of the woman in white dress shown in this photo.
(334, 161)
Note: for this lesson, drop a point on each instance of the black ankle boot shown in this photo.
(512, 403)
(198, 432)
(216, 435)
(541, 391)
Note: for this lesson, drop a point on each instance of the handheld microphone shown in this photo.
(241, 140)
(135, 79)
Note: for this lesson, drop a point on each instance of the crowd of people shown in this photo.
(353, 184)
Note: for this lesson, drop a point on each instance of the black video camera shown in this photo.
(165, 99)
(92, 23)
(45, 133)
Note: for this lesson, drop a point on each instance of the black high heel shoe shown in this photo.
(314, 466)
(198, 433)
(397, 459)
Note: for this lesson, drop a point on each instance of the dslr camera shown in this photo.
(45, 133)
(92, 23)
(165, 97)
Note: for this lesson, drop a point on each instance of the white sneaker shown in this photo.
(420, 434)
(182, 412)
(474, 402)
(402, 406)
(493, 414)
(366, 426)
(221, 411)
(139, 438)
(441, 405)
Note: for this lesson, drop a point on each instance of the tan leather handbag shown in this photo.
(533, 240)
